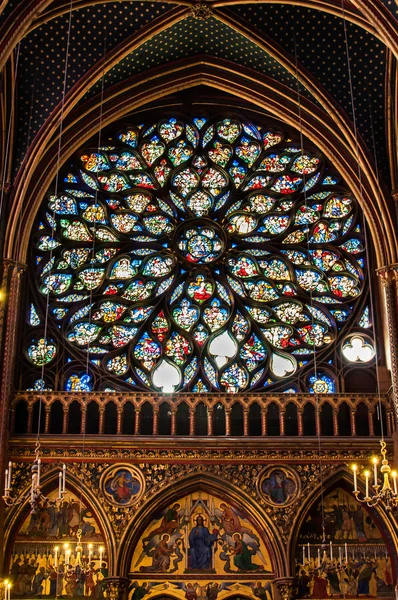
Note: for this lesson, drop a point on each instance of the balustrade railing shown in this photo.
(114, 413)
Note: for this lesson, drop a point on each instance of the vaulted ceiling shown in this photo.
(267, 37)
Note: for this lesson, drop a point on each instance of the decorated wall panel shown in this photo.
(355, 560)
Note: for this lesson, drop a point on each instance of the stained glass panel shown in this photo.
(196, 247)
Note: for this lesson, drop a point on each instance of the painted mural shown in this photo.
(201, 548)
(353, 563)
(59, 551)
(279, 487)
(56, 520)
(201, 534)
(122, 485)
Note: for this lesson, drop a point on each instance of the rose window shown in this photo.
(201, 255)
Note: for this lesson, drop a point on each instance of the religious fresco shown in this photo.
(279, 487)
(122, 485)
(59, 551)
(202, 590)
(201, 534)
(354, 562)
(60, 520)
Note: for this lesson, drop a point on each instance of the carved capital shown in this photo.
(386, 274)
(201, 11)
(394, 195)
(286, 587)
(115, 588)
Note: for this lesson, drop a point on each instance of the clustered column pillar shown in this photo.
(389, 280)
(9, 307)
(389, 277)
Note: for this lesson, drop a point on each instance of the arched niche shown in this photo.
(240, 542)
(358, 544)
(197, 543)
(41, 540)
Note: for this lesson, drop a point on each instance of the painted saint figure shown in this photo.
(160, 557)
(242, 555)
(200, 545)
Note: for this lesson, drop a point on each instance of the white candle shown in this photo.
(6, 483)
(303, 555)
(32, 492)
(101, 552)
(354, 469)
(38, 472)
(90, 552)
(331, 551)
(9, 474)
(346, 552)
(67, 556)
(309, 553)
(56, 556)
(63, 477)
(367, 474)
(394, 478)
(319, 557)
(5, 589)
(375, 461)
(8, 591)
(59, 485)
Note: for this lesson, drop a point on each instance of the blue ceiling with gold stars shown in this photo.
(96, 29)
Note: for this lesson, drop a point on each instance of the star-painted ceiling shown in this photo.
(98, 29)
(321, 48)
(94, 30)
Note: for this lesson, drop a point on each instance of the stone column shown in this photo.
(47, 409)
(353, 423)
(227, 421)
(83, 418)
(370, 418)
(173, 421)
(286, 587)
(119, 420)
(115, 588)
(65, 408)
(209, 421)
(245, 421)
(155, 426)
(263, 420)
(9, 319)
(137, 420)
(300, 428)
(101, 420)
(335, 421)
(282, 422)
(191, 421)
(389, 278)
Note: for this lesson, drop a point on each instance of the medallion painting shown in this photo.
(279, 487)
(200, 535)
(355, 561)
(197, 255)
(122, 485)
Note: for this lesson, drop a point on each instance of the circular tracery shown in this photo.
(180, 233)
(200, 243)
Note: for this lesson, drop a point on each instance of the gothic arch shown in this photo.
(194, 483)
(49, 480)
(133, 94)
(342, 477)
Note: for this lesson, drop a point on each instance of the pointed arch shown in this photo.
(49, 482)
(194, 483)
(342, 477)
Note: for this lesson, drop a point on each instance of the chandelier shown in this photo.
(34, 496)
(386, 491)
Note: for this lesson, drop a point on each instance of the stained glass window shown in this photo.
(214, 253)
